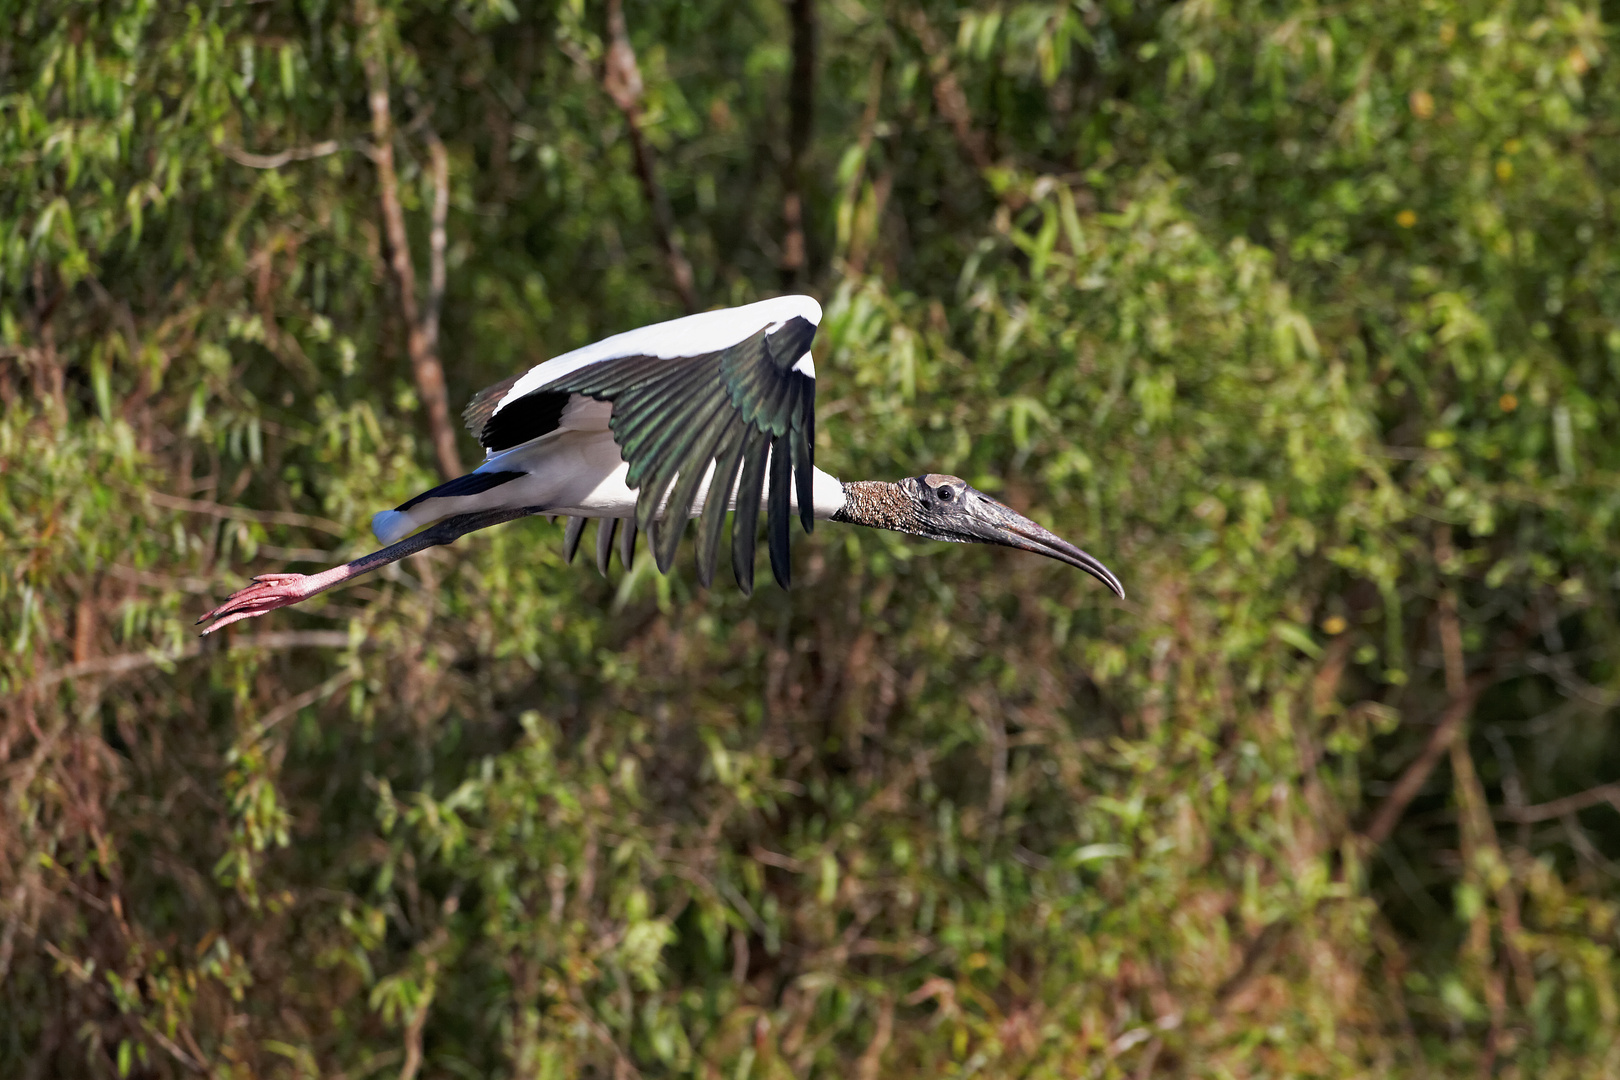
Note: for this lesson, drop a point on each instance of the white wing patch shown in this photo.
(693, 335)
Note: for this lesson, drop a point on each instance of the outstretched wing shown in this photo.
(732, 392)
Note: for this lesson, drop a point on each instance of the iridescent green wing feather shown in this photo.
(739, 408)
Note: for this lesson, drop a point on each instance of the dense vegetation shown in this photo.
(1304, 317)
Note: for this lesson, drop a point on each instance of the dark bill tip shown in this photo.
(1041, 542)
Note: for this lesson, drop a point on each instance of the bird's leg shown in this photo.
(271, 591)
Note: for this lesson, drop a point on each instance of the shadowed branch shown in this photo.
(621, 78)
(801, 121)
(425, 366)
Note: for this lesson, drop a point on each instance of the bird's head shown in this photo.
(948, 508)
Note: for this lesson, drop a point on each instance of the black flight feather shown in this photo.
(695, 459)
(745, 521)
(605, 529)
(571, 535)
(728, 458)
(735, 408)
(776, 515)
(627, 543)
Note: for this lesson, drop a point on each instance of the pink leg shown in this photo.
(271, 591)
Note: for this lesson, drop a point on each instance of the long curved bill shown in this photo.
(995, 523)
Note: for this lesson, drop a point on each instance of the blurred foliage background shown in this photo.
(1305, 317)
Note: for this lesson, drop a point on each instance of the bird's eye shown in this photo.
(945, 494)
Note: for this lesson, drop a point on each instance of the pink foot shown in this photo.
(268, 592)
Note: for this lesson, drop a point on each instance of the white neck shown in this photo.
(826, 496)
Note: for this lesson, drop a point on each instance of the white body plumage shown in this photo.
(578, 473)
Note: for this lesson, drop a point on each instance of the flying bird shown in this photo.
(637, 431)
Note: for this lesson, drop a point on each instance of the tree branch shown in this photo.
(948, 96)
(1417, 774)
(621, 78)
(46, 370)
(1560, 671)
(235, 513)
(84, 975)
(418, 1021)
(425, 366)
(801, 120)
(127, 662)
(275, 161)
(1474, 817)
(437, 239)
(14, 919)
(1257, 959)
(851, 220)
(1569, 804)
(303, 701)
(1477, 832)
(869, 1066)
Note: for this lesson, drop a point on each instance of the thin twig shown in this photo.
(1150, 1058)
(623, 1066)
(1457, 710)
(771, 858)
(1569, 804)
(14, 922)
(948, 96)
(801, 119)
(325, 148)
(870, 1064)
(1584, 847)
(437, 240)
(995, 726)
(48, 375)
(413, 1030)
(1561, 672)
(125, 663)
(1474, 818)
(1257, 957)
(739, 955)
(621, 78)
(1417, 774)
(302, 701)
(200, 586)
(234, 513)
(1325, 812)
(425, 366)
(172, 1048)
(277, 553)
(84, 976)
(850, 234)
(1512, 784)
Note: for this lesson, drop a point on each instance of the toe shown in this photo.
(268, 592)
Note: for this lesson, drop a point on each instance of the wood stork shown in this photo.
(636, 431)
